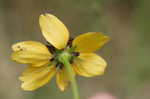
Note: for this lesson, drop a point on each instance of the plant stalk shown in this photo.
(72, 78)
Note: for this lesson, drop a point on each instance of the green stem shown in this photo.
(72, 78)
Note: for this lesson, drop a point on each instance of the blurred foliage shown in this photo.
(125, 21)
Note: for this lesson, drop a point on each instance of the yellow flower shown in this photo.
(43, 60)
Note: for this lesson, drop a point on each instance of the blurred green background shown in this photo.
(127, 22)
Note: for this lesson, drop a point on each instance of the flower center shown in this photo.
(67, 53)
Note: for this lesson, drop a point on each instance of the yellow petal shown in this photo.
(89, 42)
(32, 46)
(89, 64)
(35, 59)
(54, 31)
(31, 52)
(35, 77)
(32, 72)
(62, 79)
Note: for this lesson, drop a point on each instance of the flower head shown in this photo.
(44, 60)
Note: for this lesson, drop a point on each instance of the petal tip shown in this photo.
(62, 89)
(26, 89)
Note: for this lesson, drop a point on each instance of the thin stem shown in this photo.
(72, 78)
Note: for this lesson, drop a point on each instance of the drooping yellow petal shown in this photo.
(31, 72)
(35, 77)
(89, 64)
(31, 52)
(54, 31)
(62, 79)
(89, 42)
